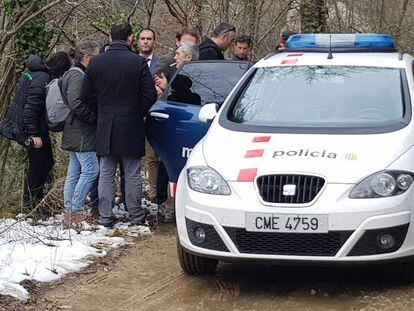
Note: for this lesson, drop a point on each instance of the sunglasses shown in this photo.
(230, 30)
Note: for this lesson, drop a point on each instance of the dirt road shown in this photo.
(147, 276)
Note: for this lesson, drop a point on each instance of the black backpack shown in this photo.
(12, 127)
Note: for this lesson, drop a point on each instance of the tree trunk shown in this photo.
(194, 20)
(313, 15)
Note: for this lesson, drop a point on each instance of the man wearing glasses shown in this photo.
(222, 38)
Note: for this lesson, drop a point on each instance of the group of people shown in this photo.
(109, 91)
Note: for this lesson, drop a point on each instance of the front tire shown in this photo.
(195, 265)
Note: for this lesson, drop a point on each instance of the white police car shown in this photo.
(310, 159)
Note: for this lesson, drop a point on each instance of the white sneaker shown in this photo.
(140, 229)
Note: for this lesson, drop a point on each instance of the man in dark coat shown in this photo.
(35, 126)
(222, 38)
(119, 86)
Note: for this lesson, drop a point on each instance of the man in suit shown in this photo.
(146, 42)
(119, 87)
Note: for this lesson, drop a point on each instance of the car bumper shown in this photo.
(354, 227)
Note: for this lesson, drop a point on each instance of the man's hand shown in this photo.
(37, 142)
(159, 91)
(161, 81)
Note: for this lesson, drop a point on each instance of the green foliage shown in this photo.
(105, 22)
(34, 38)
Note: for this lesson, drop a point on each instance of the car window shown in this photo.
(321, 96)
(199, 83)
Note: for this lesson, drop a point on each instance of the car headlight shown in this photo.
(382, 184)
(206, 180)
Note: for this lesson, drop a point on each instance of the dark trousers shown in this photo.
(162, 184)
(40, 164)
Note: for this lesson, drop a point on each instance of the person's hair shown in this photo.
(222, 28)
(121, 31)
(84, 48)
(286, 34)
(243, 39)
(147, 29)
(189, 48)
(58, 63)
(187, 31)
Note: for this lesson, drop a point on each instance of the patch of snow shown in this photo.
(46, 252)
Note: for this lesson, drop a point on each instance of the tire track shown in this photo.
(158, 291)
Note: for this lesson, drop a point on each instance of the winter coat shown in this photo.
(163, 66)
(209, 50)
(119, 86)
(34, 116)
(79, 134)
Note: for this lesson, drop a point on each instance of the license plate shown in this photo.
(286, 223)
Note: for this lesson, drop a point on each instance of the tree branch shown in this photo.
(182, 19)
(277, 20)
(133, 10)
(23, 22)
(24, 19)
(99, 29)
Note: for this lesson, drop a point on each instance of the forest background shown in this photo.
(43, 26)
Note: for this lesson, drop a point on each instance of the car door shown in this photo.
(173, 128)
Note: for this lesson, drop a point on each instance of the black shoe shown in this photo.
(108, 225)
(95, 213)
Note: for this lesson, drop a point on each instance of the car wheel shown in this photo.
(195, 265)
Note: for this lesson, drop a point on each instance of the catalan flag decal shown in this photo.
(350, 157)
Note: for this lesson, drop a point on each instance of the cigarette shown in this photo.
(173, 64)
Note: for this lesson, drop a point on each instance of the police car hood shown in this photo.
(237, 156)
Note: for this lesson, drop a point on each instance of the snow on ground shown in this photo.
(46, 252)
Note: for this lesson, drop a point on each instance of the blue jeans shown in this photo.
(82, 172)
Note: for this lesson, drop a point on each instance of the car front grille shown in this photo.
(306, 188)
(295, 244)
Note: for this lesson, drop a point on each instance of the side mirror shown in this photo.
(208, 112)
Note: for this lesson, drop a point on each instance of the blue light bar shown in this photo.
(340, 41)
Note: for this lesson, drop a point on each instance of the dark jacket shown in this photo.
(79, 134)
(164, 66)
(234, 57)
(209, 50)
(119, 87)
(34, 118)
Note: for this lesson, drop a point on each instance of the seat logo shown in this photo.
(289, 190)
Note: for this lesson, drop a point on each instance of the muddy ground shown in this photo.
(147, 276)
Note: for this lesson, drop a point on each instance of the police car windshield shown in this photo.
(321, 97)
